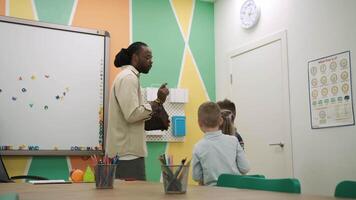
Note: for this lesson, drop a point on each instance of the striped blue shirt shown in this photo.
(217, 154)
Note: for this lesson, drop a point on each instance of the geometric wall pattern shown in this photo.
(181, 36)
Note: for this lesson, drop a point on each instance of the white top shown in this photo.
(218, 154)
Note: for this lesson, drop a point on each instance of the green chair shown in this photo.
(346, 189)
(9, 196)
(254, 175)
(288, 185)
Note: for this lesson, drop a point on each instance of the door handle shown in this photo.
(279, 144)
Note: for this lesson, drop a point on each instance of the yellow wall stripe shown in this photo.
(191, 80)
(21, 9)
(184, 12)
(16, 165)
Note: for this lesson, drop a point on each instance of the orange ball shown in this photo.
(77, 175)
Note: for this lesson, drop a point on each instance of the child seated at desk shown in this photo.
(228, 112)
(216, 153)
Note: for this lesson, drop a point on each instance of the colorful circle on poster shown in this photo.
(343, 63)
(333, 66)
(333, 78)
(334, 90)
(345, 88)
(314, 70)
(324, 80)
(324, 91)
(314, 82)
(322, 114)
(315, 93)
(323, 68)
(344, 75)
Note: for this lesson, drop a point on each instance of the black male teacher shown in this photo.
(127, 112)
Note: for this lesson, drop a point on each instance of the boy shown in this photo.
(216, 153)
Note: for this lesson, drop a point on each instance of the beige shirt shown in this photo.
(127, 113)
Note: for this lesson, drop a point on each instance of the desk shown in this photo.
(140, 190)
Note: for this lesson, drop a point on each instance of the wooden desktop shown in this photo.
(140, 190)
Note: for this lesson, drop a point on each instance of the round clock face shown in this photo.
(249, 14)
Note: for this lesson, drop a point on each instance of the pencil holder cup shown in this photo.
(104, 176)
(175, 178)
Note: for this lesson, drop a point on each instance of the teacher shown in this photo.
(127, 112)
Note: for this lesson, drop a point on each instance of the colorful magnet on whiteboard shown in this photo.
(22, 147)
(23, 90)
(33, 77)
(14, 98)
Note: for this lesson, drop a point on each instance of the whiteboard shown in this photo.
(52, 86)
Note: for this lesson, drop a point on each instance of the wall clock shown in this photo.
(249, 14)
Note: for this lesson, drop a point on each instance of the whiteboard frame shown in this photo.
(106, 35)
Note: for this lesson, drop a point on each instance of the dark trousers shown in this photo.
(131, 169)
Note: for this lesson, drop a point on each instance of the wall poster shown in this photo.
(330, 91)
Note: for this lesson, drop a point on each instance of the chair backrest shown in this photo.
(9, 196)
(289, 185)
(346, 189)
(225, 180)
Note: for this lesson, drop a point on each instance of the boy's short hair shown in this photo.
(209, 114)
(228, 105)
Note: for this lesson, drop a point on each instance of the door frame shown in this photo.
(279, 36)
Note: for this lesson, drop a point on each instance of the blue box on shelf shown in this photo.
(178, 126)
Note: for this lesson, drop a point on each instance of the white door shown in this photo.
(259, 87)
